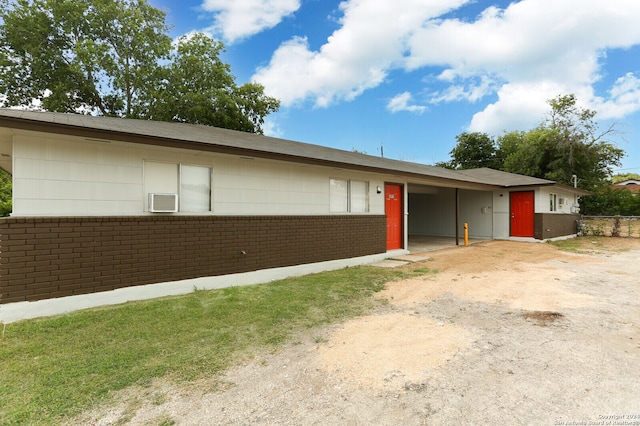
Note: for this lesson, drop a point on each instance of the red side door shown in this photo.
(393, 210)
(522, 214)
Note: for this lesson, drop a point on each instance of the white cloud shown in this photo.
(519, 107)
(624, 98)
(272, 128)
(470, 90)
(401, 103)
(534, 50)
(356, 57)
(527, 53)
(237, 19)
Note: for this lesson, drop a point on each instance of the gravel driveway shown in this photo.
(504, 333)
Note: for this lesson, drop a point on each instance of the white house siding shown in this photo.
(476, 210)
(542, 201)
(248, 187)
(89, 178)
(66, 176)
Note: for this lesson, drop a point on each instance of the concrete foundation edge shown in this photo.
(12, 312)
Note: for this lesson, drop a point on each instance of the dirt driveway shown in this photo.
(505, 333)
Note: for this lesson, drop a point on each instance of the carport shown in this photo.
(437, 214)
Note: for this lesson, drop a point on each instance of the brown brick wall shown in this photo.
(44, 258)
(549, 225)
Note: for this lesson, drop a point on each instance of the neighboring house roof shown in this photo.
(214, 139)
(632, 185)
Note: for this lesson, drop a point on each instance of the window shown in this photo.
(339, 196)
(348, 196)
(553, 202)
(195, 189)
(191, 183)
(359, 196)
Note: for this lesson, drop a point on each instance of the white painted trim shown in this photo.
(11, 312)
(534, 240)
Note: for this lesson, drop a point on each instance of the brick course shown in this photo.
(49, 257)
(550, 225)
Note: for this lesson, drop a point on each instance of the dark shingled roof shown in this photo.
(496, 177)
(510, 180)
(214, 139)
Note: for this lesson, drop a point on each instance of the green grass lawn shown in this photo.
(575, 245)
(592, 244)
(51, 369)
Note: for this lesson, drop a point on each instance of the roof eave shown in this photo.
(92, 133)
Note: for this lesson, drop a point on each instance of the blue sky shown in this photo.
(410, 75)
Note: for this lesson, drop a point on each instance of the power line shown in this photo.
(629, 168)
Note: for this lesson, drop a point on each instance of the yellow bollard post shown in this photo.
(466, 235)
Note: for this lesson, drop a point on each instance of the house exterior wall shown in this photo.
(66, 176)
(566, 202)
(559, 223)
(80, 221)
(547, 225)
(476, 211)
(60, 256)
(55, 176)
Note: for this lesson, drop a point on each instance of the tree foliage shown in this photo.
(98, 56)
(611, 202)
(565, 144)
(5, 193)
(197, 87)
(115, 58)
(473, 150)
(624, 176)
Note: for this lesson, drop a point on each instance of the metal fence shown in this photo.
(610, 226)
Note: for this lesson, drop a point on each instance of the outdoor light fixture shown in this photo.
(378, 190)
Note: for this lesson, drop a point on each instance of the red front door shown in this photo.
(393, 210)
(522, 214)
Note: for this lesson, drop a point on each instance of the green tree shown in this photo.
(577, 147)
(5, 193)
(115, 58)
(197, 87)
(611, 202)
(525, 153)
(565, 144)
(473, 150)
(93, 55)
(624, 176)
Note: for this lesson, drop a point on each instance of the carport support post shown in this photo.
(457, 216)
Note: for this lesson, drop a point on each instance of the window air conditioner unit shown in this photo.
(163, 203)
